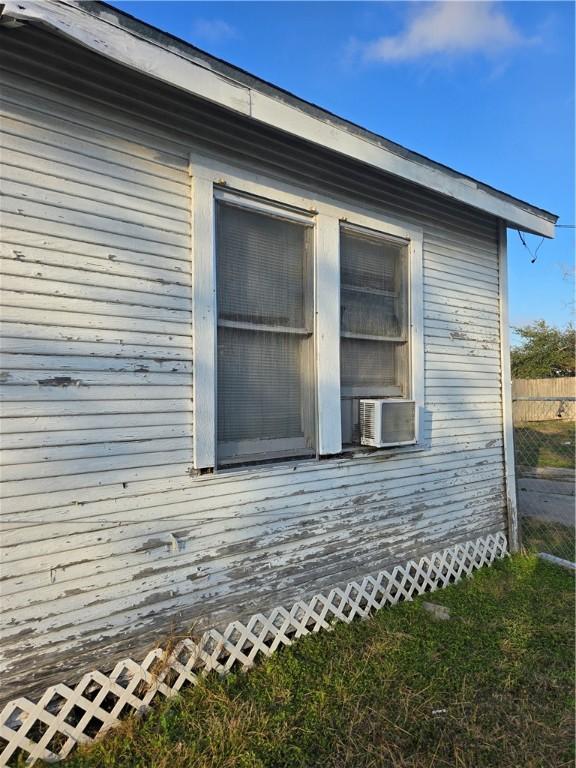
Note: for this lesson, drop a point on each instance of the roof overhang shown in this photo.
(137, 45)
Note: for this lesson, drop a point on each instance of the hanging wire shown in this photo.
(533, 256)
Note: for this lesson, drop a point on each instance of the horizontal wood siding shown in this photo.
(108, 542)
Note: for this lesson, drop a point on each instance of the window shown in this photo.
(265, 400)
(301, 308)
(374, 347)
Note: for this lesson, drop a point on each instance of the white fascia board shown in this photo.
(288, 118)
(102, 35)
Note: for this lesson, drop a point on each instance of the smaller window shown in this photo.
(374, 343)
(265, 390)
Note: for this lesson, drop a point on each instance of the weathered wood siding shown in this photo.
(108, 542)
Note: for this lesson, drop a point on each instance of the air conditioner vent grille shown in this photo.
(388, 422)
(367, 416)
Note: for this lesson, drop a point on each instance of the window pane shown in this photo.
(261, 268)
(372, 295)
(259, 393)
(369, 314)
(369, 262)
(367, 364)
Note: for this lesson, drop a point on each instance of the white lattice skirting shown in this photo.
(64, 717)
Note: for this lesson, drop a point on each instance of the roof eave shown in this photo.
(162, 60)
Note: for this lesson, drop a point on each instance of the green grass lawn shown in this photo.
(545, 444)
(493, 686)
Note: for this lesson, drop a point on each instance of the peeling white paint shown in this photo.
(107, 540)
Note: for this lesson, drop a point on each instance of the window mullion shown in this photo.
(374, 291)
(327, 279)
(241, 325)
(369, 337)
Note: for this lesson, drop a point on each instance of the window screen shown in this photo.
(373, 323)
(265, 389)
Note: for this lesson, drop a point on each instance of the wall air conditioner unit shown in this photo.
(388, 422)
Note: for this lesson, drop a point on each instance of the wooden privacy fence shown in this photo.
(544, 399)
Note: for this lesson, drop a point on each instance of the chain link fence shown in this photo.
(544, 437)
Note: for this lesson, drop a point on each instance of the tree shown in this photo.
(545, 351)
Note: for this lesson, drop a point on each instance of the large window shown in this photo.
(265, 403)
(374, 350)
(302, 307)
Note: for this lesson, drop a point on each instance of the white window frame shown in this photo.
(212, 178)
(258, 450)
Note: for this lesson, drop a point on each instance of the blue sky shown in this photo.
(484, 87)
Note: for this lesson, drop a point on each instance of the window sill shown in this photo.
(356, 453)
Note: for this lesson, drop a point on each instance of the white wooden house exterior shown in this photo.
(140, 497)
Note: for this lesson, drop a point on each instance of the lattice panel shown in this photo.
(64, 717)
